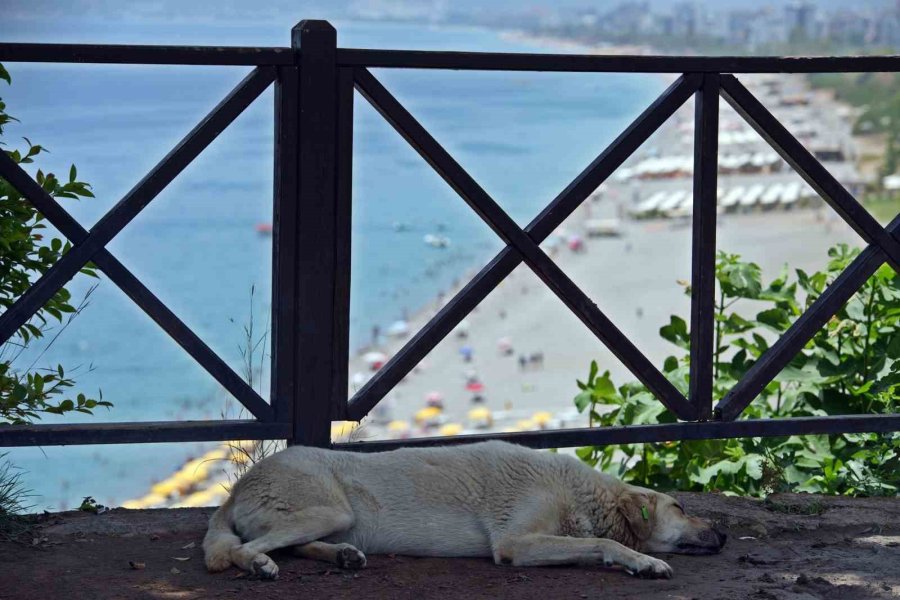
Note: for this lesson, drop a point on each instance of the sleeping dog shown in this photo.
(493, 499)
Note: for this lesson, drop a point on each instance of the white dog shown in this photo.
(492, 499)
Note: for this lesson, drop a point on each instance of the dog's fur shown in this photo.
(492, 499)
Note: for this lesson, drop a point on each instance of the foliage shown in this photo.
(851, 366)
(27, 393)
(88, 504)
(244, 454)
(13, 499)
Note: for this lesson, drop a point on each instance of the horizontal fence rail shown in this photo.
(429, 59)
(314, 93)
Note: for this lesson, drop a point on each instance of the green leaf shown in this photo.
(583, 400)
(676, 332)
(775, 318)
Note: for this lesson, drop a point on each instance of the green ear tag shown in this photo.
(644, 512)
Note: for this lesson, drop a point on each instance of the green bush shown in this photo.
(851, 366)
(26, 392)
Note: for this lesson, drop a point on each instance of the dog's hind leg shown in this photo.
(346, 556)
(295, 529)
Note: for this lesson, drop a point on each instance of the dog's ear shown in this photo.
(638, 510)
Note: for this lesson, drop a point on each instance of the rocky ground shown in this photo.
(790, 547)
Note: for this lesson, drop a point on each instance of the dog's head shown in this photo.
(659, 524)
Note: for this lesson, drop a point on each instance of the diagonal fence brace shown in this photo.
(134, 289)
(135, 201)
(504, 226)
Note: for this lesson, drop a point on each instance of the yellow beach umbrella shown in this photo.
(480, 413)
(541, 418)
(451, 429)
(398, 426)
(211, 496)
(220, 453)
(343, 429)
(481, 417)
(429, 413)
(526, 425)
(149, 501)
(165, 488)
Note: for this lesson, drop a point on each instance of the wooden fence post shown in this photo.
(320, 325)
(703, 271)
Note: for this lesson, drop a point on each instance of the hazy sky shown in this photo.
(265, 10)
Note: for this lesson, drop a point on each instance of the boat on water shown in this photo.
(436, 241)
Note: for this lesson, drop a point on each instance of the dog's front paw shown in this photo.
(648, 567)
(349, 557)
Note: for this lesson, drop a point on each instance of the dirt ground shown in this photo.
(791, 547)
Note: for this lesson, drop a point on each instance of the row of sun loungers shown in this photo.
(673, 202)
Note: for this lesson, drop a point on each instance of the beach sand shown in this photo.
(633, 279)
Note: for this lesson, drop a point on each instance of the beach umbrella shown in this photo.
(428, 415)
(504, 345)
(434, 398)
(526, 425)
(397, 427)
(541, 418)
(220, 453)
(165, 488)
(373, 357)
(451, 429)
(481, 417)
(575, 242)
(375, 360)
(342, 430)
(466, 351)
(212, 496)
(398, 328)
(475, 386)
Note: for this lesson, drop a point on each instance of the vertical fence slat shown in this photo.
(316, 267)
(284, 245)
(703, 268)
(342, 240)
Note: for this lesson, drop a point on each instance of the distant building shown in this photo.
(685, 19)
(800, 20)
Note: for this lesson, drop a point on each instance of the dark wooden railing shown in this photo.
(314, 92)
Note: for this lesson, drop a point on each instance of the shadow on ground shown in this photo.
(791, 547)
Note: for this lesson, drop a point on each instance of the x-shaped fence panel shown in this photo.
(523, 245)
(91, 246)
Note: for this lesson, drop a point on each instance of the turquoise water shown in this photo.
(522, 136)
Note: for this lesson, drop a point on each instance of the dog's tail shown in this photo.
(220, 539)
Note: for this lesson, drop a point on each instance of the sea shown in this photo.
(522, 136)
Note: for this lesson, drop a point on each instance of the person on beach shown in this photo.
(466, 353)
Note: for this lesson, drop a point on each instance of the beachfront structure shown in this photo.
(315, 84)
